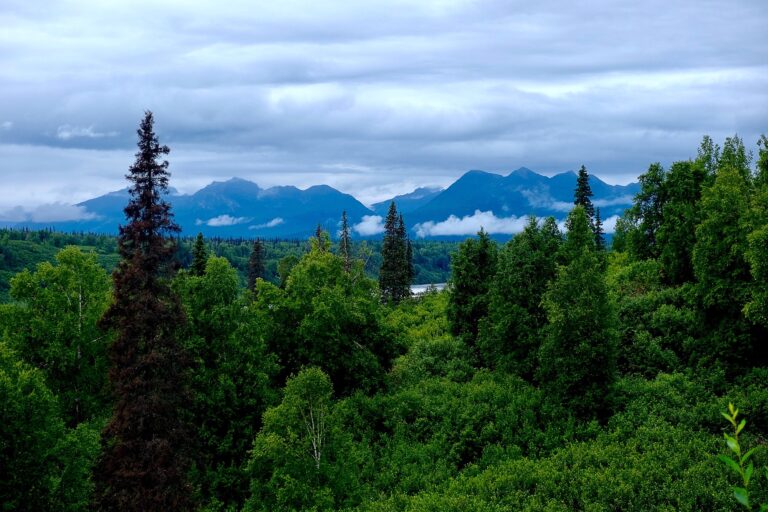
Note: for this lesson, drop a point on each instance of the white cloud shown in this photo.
(67, 132)
(223, 220)
(471, 224)
(609, 224)
(541, 199)
(49, 212)
(370, 225)
(614, 201)
(274, 222)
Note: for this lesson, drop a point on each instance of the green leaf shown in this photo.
(742, 496)
(727, 416)
(748, 474)
(741, 426)
(730, 463)
(747, 455)
(733, 445)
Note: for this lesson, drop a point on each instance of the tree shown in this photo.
(345, 243)
(757, 250)
(646, 214)
(58, 308)
(583, 193)
(301, 459)
(721, 269)
(199, 256)
(329, 318)
(577, 358)
(472, 269)
(256, 264)
(394, 274)
(599, 233)
(510, 335)
(579, 237)
(230, 381)
(144, 461)
(43, 465)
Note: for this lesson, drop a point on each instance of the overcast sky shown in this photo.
(372, 97)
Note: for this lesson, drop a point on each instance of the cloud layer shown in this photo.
(365, 95)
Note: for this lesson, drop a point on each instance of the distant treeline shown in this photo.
(24, 248)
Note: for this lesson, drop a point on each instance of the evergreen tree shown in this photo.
(583, 192)
(394, 274)
(409, 261)
(345, 243)
(646, 214)
(757, 252)
(599, 233)
(577, 358)
(721, 269)
(510, 336)
(144, 461)
(256, 264)
(472, 269)
(199, 256)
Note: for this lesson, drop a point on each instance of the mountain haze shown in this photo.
(241, 208)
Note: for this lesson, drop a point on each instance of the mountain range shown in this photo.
(240, 208)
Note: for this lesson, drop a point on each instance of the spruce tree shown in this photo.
(599, 233)
(583, 192)
(199, 256)
(256, 264)
(393, 275)
(144, 462)
(473, 267)
(345, 243)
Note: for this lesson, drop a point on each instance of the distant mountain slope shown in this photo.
(407, 203)
(233, 208)
(240, 208)
(522, 192)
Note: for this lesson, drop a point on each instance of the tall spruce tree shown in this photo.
(256, 264)
(345, 243)
(199, 256)
(583, 193)
(394, 280)
(472, 269)
(144, 461)
(599, 232)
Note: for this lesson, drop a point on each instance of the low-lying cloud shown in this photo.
(488, 221)
(539, 198)
(223, 221)
(50, 212)
(471, 224)
(272, 223)
(369, 225)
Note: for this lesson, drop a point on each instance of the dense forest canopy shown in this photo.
(554, 373)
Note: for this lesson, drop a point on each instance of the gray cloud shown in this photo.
(48, 212)
(374, 97)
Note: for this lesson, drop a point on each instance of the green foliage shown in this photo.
(583, 193)
(473, 267)
(577, 358)
(230, 380)
(396, 273)
(329, 318)
(53, 325)
(510, 335)
(199, 256)
(302, 459)
(741, 465)
(43, 465)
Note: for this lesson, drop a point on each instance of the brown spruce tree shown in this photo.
(143, 464)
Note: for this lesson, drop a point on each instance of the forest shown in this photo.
(556, 372)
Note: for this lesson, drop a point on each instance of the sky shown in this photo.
(372, 97)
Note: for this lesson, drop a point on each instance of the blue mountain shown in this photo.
(520, 193)
(407, 203)
(240, 208)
